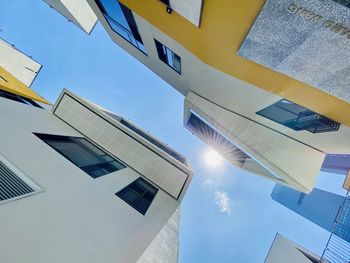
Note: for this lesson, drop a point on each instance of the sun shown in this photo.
(212, 158)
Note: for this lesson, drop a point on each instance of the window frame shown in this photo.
(164, 56)
(131, 39)
(46, 138)
(291, 123)
(121, 194)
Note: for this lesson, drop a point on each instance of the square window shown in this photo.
(139, 194)
(168, 56)
(92, 160)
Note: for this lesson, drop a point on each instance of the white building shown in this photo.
(21, 66)
(286, 251)
(77, 12)
(81, 184)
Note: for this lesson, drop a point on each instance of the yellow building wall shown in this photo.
(10, 84)
(224, 26)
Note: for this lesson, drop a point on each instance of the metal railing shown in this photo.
(337, 249)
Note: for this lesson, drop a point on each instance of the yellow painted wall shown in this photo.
(13, 85)
(224, 26)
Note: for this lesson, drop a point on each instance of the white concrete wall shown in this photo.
(17, 63)
(76, 218)
(140, 155)
(165, 247)
(77, 11)
(284, 251)
(189, 9)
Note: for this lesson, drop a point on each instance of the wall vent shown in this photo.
(13, 186)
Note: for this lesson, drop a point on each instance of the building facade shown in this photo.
(308, 206)
(286, 251)
(263, 115)
(79, 183)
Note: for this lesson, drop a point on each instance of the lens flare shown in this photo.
(212, 158)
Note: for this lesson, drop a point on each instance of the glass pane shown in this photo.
(278, 114)
(129, 196)
(89, 146)
(290, 106)
(123, 32)
(76, 153)
(83, 154)
(139, 194)
(113, 9)
(177, 62)
(146, 186)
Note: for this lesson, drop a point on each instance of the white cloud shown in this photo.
(207, 182)
(223, 201)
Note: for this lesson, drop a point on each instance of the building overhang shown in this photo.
(266, 152)
(78, 12)
(10, 84)
(224, 27)
(138, 153)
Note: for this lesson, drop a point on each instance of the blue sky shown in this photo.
(227, 214)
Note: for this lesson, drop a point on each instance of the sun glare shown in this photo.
(212, 158)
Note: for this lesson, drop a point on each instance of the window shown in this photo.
(166, 2)
(298, 118)
(168, 57)
(83, 154)
(13, 184)
(14, 97)
(139, 194)
(121, 21)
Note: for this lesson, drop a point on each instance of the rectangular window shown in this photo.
(168, 56)
(298, 118)
(92, 160)
(14, 97)
(121, 21)
(139, 194)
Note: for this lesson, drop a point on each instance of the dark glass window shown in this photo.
(15, 97)
(168, 57)
(121, 20)
(166, 2)
(92, 160)
(298, 118)
(139, 194)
